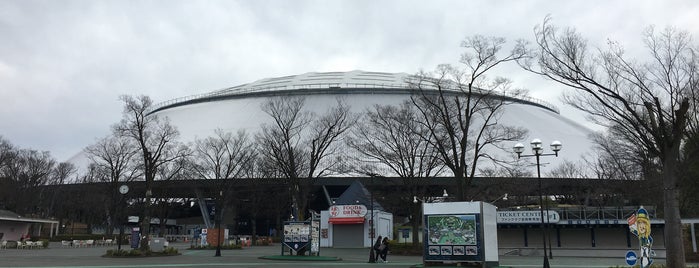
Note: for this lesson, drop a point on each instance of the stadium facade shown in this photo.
(239, 108)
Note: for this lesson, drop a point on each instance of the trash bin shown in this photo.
(157, 244)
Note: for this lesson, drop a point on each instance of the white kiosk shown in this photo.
(460, 232)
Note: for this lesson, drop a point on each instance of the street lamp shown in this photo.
(444, 198)
(123, 190)
(538, 151)
(502, 197)
(372, 254)
(218, 224)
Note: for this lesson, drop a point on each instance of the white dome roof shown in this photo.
(353, 82)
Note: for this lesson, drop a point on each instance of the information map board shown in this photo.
(453, 238)
(460, 232)
(297, 234)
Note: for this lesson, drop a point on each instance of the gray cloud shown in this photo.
(63, 64)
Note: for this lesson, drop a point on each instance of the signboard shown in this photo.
(527, 216)
(453, 238)
(203, 240)
(315, 236)
(297, 234)
(639, 225)
(405, 233)
(631, 258)
(135, 237)
(348, 211)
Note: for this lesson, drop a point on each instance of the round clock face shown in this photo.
(124, 189)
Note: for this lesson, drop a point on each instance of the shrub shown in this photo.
(117, 253)
(168, 251)
(214, 247)
(45, 243)
(58, 238)
(405, 249)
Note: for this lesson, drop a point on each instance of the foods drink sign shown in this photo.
(347, 211)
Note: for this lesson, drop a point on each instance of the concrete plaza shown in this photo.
(57, 256)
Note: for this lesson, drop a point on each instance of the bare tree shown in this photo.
(156, 141)
(6, 152)
(222, 158)
(462, 107)
(61, 173)
(300, 144)
(173, 170)
(653, 103)
(389, 141)
(567, 169)
(389, 138)
(113, 157)
(27, 170)
(615, 158)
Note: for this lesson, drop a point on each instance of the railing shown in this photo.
(243, 89)
(598, 213)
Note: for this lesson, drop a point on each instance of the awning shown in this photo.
(348, 220)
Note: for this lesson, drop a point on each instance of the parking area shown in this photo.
(57, 256)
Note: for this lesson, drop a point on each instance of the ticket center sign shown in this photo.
(347, 214)
(527, 216)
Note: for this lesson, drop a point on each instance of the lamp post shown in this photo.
(502, 197)
(218, 224)
(538, 152)
(444, 198)
(123, 190)
(372, 254)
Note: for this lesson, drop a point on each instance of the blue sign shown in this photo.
(405, 233)
(631, 258)
(135, 237)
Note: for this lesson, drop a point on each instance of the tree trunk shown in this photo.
(417, 220)
(674, 242)
(253, 221)
(145, 223)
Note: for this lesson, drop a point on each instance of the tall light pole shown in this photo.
(123, 190)
(538, 151)
(218, 224)
(372, 254)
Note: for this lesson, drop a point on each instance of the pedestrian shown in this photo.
(384, 249)
(376, 248)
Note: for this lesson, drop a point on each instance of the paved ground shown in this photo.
(57, 256)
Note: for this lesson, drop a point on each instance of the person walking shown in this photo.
(384, 249)
(376, 247)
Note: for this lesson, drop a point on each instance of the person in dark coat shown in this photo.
(384, 249)
(376, 247)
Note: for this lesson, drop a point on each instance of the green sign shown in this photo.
(453, 237)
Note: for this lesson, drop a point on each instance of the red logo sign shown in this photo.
(347, 211)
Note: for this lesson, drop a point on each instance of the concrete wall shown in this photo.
(12, 230)
(575, 237)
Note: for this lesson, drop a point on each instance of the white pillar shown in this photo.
(694, 238)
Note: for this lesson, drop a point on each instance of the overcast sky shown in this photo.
(63, 64)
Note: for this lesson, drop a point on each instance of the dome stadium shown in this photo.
(239, 107)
